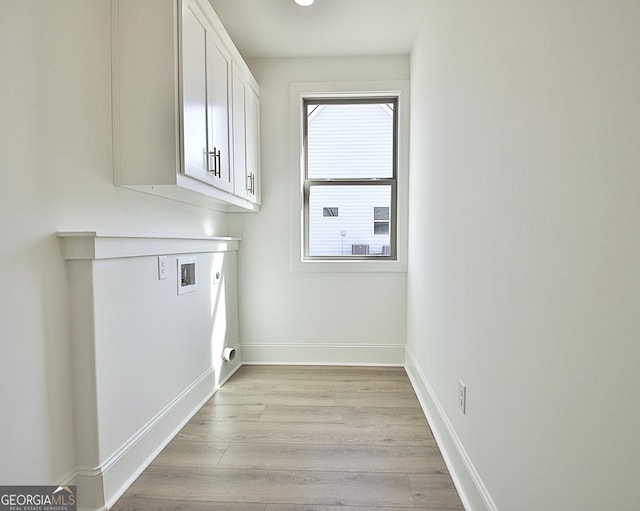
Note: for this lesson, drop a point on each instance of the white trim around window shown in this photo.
(300, 91)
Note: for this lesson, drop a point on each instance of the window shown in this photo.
(339, 165)
(329, 212)
(350, 148)
(381, 220)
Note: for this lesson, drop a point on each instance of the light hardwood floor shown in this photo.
(304, 438)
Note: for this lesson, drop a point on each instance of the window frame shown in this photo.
(398, 90)
(391, 181)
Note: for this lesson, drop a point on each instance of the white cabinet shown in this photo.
(172, 103)
(246, 135)
(206, 67)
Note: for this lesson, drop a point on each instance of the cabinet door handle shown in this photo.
(215, 162)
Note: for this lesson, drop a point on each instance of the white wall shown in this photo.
(55, 162)
(282, 312)
(524, 245)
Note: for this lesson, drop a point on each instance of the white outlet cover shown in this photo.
(162, 267)
(462, 397)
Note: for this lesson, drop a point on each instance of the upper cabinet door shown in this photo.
(206, 69)
(218, 95)
(194, 93)
(242, 183)
(252, 105)
(246, 134)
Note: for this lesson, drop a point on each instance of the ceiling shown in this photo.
(328, 28)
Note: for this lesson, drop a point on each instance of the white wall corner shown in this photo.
(89, 489)
(473, 492)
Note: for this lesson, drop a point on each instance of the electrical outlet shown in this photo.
(462, 397)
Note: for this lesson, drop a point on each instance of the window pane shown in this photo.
(350, 140)
(329, 211)
(380, 227)
(354, 232)
(381, 213)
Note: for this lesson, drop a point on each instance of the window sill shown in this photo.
(356, 266)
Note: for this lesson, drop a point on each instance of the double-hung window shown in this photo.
(350, 166)
(350, 178)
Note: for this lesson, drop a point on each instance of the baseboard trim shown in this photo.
(470, 486)
(100, 487)
(323, 354)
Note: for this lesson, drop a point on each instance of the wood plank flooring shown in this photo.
(304, 438)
